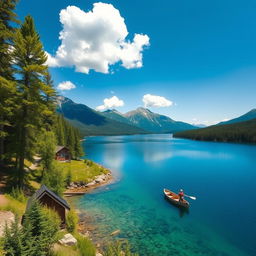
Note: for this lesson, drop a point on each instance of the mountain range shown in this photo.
(112, 122)
(91, 122)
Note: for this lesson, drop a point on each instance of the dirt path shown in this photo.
(3, 200)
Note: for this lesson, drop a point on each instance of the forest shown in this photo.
(242, 132)
(29, 123)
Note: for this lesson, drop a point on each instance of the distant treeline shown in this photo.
(243, 132)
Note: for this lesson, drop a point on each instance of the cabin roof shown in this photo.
(44, 190)
(59, 148)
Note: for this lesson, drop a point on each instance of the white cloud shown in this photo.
(96, 39)
(66, 86)
(156, 101)
(109, 103)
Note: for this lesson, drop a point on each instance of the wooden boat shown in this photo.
(175, 199)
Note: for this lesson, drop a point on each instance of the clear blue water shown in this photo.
(222, 221)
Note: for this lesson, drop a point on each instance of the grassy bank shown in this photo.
(84, 170)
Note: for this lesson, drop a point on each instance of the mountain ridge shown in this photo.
(245, 117)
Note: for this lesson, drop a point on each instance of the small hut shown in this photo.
(49, 199)
(62, 154)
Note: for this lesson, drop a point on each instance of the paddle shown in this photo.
(191, 197)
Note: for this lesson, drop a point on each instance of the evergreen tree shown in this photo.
(46, 149)
(7, 87)
(13, 239)
(78, 151)
(29, 58)
(50, 98)
(68, 136)
(37, 235)
(54, 179)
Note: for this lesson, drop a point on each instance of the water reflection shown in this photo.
(180, 210)
(156, 156)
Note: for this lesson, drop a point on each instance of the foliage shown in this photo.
(8, 90)
(2, 253)
(85, 246)
(13, 245)
(14, 206)
(46, 149)
(243, 132)
(68, 177)
(119, 249)
(71, 221)
(18, 194)
(68, 136)
(65, 251)
(40, 230)
(54, 179)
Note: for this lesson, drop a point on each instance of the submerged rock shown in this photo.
(116, 232)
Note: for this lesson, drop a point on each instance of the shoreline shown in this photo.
(85, 226)
(76, 189)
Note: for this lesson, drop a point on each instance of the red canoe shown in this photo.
(174, 199)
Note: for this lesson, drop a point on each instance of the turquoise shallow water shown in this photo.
(222, 221)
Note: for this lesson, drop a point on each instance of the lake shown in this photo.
(222, 221)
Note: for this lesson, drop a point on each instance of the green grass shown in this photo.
(82, 170)
(14, 206)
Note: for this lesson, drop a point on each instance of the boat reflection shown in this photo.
(182, 211)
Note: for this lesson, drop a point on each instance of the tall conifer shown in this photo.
(29, 58)
(7, 87)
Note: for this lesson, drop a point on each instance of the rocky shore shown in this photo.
(81, 187)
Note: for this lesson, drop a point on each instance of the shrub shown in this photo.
(71, 221)
(18, 194)
(85, 246)
(119, 249)
(14, 206)
(68, 177)
(54, 179)
(88, 162)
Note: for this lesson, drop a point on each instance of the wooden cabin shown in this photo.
(49, 199)
(62, 154)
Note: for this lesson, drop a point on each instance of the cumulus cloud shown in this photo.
(109, 103)
(96, 39)
(66, 86)
(150, 100)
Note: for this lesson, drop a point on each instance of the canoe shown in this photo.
(174, 199)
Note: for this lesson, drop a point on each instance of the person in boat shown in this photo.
(181, 195)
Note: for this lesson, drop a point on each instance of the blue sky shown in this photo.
(201, 57)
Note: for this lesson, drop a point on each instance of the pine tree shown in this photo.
(7, 87)
(29, 58)
(12, 239)
(54, 179)
(78, 151)
(46, 149)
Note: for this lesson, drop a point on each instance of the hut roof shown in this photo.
(59, 148)
(44, 190)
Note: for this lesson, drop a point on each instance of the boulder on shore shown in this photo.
(68, 239)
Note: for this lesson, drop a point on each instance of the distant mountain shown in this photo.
(117, 116)
(243, 132)
(155, 123)
(91, 122)
(200, 125)
(248, 116)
